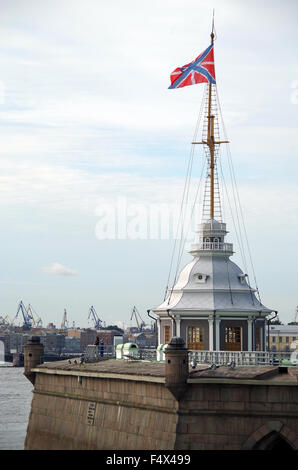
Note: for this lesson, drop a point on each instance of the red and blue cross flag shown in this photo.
(199, 70)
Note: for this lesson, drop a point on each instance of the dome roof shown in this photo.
(212, 283)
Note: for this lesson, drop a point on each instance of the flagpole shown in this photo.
(210, 139)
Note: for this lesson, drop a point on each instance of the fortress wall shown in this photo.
(117, 413)
(235, 416)
(100, 413)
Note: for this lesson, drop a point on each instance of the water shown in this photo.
(15, 404)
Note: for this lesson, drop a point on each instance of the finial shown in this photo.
(212, 31)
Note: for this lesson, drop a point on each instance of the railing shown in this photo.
(211, 246)
(95, 353)
(147, 354)
(208, 226)
(240, 358)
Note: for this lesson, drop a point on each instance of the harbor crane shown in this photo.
(97, 321)
(37, 321)
(135, 313)
(8, 320)
(5, 321)
(64, 324)
(27, 317)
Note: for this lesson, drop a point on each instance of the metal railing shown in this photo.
(147, 354)
(95, 353)
(240, 358)
(212, 246)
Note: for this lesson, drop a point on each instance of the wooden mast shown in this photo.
(210, 138)
(210, 142)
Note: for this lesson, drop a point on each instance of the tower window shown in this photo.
(241, 278)
(201, 277)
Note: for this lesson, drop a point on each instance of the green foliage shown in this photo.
(112, 327)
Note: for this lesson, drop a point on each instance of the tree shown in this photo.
(112, 327)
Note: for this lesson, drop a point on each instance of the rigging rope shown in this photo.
(184, 200)
(239, 224)
(237, 198)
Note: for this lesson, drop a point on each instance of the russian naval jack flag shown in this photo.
(199, 70)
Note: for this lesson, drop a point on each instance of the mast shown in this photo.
(210, 142)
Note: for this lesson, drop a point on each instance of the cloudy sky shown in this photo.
(88, 125)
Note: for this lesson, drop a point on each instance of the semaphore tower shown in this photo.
(211, 305)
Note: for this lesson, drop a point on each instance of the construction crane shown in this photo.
(136, 313)
(28, 319)
(5, 321)
(64, 324)
(97, 321)
(37, 322)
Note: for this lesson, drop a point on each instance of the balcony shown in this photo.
(212, 246)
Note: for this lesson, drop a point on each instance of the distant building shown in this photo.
(281, 337)
(53, 343)
(107, 336)
(86, 336)
(72, 344)
(145, 340)
(5, 340)
(16, 342)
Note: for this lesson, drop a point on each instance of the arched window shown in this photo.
(207, 243)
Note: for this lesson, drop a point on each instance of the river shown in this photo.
(15, 404)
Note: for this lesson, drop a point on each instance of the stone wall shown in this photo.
(227, 416)
(72, 412)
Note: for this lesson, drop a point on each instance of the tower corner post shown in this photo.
(176, 367)
(33, 355)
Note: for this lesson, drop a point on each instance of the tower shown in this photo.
(212, 305)
(33, 355)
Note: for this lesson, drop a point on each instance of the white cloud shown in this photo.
(86, 101)
(58, 269)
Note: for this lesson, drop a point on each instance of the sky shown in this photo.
(88, 127)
